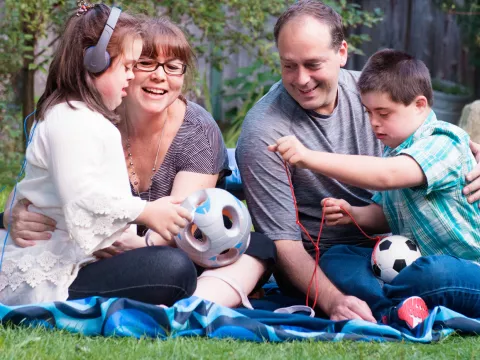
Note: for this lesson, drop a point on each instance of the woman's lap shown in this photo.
(157, 275)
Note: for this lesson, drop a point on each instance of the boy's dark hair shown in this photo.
(398, 74)
(319, 11)
(162, 37)
(68, 79)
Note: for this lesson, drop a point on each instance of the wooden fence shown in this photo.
(420, 28)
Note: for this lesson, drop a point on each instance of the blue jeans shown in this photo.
(439, 280)
(155, 275)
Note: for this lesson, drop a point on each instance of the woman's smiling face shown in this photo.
(155, 91)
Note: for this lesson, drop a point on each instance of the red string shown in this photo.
(316, 244)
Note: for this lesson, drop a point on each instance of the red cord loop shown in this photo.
(316, 244)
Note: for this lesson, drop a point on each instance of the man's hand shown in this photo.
(297, 265)
(26, 227)
(349, 307)
(334, 211)
(472, 190)
(291, 150)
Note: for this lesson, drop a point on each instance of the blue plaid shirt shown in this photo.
(436, 215)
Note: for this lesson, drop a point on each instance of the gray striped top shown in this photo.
(198, 147)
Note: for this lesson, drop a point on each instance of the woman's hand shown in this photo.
(472, 190)
(129, 240)
(335, 211)
(27, 227)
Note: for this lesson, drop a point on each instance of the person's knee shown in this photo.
(435, 270)
(179, 266)
(340, 254)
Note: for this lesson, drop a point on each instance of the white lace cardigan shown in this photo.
(75, 174)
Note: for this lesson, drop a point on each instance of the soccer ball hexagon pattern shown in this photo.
(391, 255)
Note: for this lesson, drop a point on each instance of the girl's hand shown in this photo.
(334, 211)
(165, 216)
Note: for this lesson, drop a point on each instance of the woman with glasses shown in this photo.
(172, 147)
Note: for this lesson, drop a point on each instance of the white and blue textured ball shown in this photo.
(207, 240)
(391, 255)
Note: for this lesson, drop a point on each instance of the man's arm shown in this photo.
(473, 188)
(297, 265)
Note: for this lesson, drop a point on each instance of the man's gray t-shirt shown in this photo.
(346, 131)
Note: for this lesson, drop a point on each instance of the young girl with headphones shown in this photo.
(75, 169)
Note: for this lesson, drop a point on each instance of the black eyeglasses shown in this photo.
(173, 67)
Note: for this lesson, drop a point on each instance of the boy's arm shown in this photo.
(366, 172)
(371, 218)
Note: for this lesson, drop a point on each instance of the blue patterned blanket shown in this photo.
(196, 317)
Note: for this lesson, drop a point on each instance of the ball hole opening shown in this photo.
(227, 219)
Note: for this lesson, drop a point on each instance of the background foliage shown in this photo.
(467, 13)
(30, 29)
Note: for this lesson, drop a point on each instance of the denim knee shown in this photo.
(434, 272)
(172, 263)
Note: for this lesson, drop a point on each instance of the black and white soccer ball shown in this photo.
(391, 255)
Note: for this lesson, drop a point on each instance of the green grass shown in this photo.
(22, 343)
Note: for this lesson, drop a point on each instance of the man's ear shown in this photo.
(343, 53)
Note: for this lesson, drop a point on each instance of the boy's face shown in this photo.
(393, 122)
(310, 66)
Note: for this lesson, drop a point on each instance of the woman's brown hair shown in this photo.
(163, 37)
(67, 79)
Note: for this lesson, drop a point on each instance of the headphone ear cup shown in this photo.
(95, 62)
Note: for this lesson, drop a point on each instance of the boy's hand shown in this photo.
(334, 215)
(291, 150)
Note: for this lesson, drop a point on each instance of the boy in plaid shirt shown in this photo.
(419, 179)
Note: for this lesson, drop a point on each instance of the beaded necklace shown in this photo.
(132, 172)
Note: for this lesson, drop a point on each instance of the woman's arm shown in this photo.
(186, 183)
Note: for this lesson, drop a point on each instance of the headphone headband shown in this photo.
(96, 57)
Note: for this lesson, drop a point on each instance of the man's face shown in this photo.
(310, 66)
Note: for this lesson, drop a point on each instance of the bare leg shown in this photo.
(245, 272)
